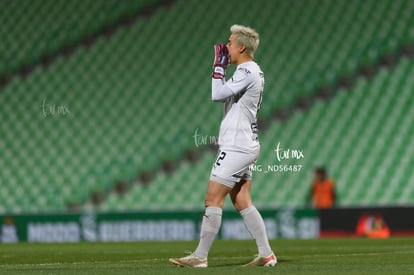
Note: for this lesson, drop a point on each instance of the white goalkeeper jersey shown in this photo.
(242, 96)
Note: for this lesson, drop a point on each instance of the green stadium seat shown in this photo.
(128, 113)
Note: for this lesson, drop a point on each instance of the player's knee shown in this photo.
(242, 202)
(211, 201)
(239, 207)
(235, 201)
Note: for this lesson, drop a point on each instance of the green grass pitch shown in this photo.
(320, 256)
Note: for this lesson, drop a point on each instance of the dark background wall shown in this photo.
(343, 221)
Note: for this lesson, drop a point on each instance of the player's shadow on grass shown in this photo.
(241, 263)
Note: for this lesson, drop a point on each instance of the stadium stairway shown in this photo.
(121, 94)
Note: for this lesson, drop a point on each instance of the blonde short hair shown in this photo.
(246, 36)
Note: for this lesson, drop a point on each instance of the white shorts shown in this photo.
(232, 165)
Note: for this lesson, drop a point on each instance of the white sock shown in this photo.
(210, 226)
(255, 225)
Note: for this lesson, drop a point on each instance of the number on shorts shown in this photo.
(220, 157)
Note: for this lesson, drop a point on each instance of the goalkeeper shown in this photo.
(238, 146)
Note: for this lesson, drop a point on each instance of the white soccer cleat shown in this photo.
(189, 261)
(270, 260)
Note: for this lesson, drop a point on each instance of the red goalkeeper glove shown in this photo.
(221, 61)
